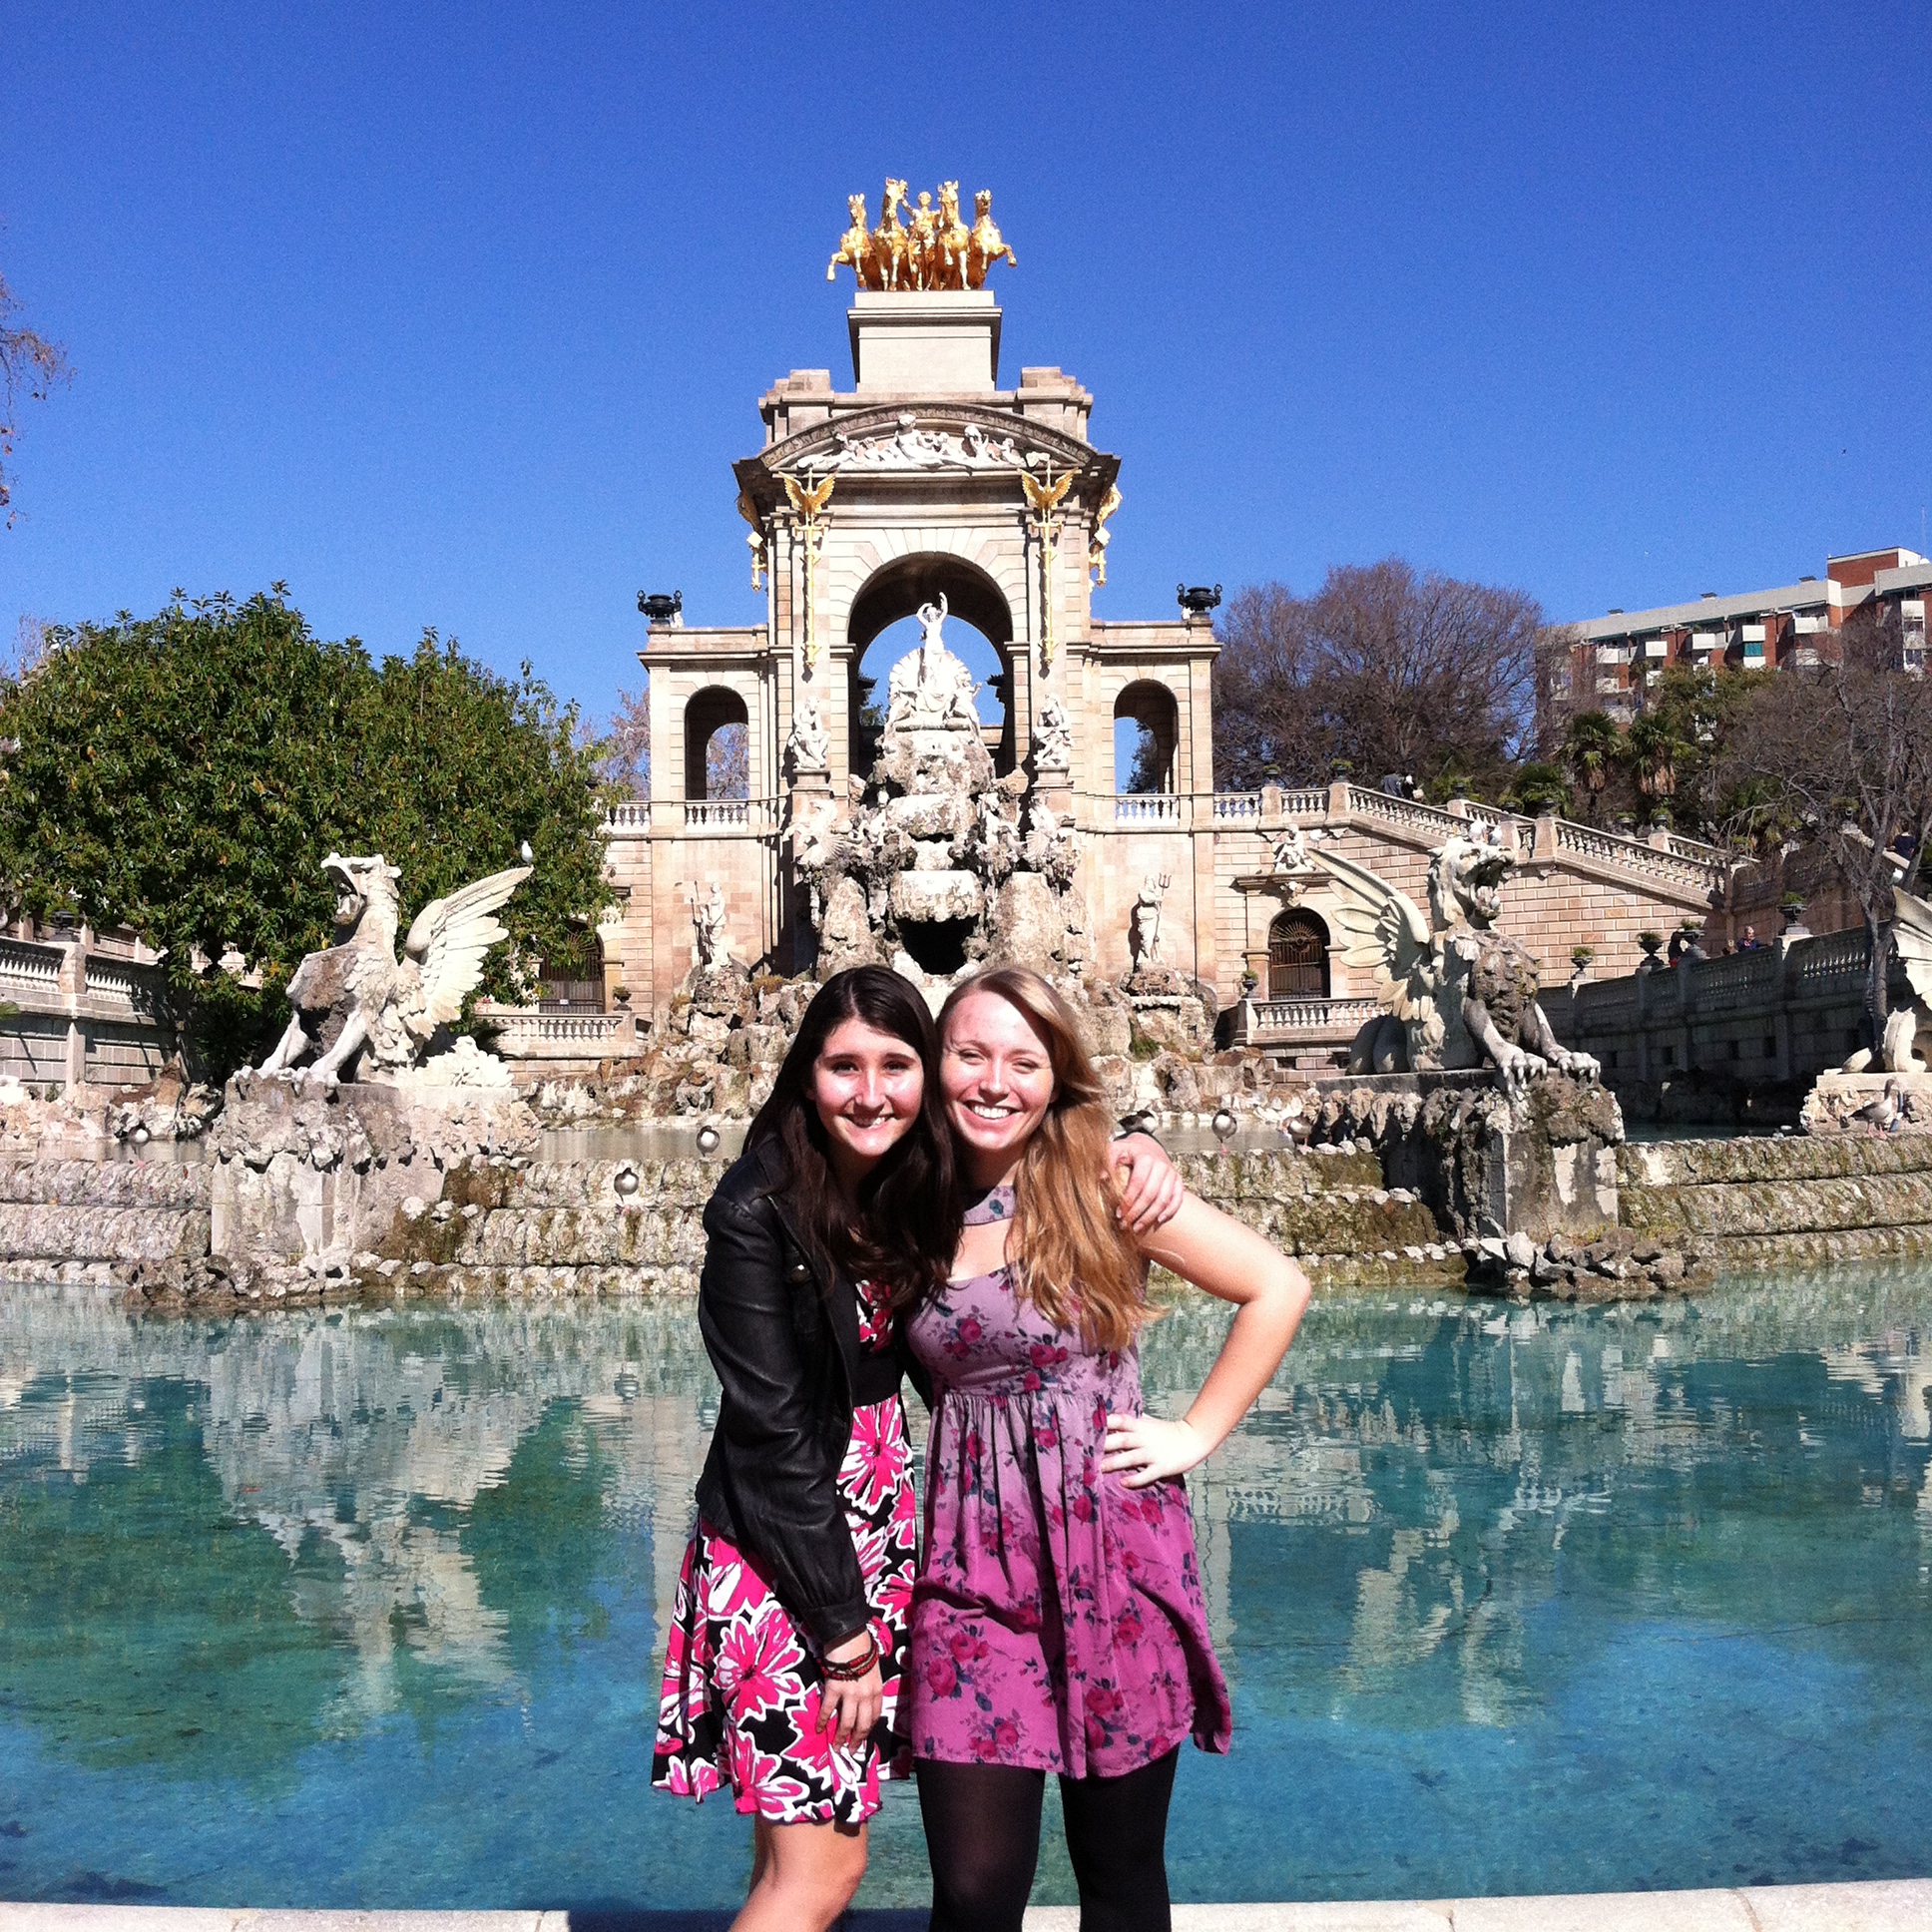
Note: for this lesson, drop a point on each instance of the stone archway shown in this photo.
(898, 589)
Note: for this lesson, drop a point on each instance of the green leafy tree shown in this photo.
(1536, 789)
(183, 775)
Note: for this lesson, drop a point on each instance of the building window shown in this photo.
(1297, 957)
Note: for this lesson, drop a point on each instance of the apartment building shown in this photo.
(1610, 661)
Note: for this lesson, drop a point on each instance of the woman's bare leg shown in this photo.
(803, 1876)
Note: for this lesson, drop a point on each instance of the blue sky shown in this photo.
(458, 316)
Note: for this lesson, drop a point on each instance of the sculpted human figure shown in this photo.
(922, 244)
(808, 748)
(986, 244)
(714, 943)
(1054, 748)
(1144, 936)
(930, 686)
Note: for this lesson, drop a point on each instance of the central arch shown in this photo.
(894, 592)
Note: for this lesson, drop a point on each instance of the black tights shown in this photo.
(983, 1836)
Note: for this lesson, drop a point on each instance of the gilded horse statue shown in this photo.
(855, 247)
(951, 240)
(938, 250)
(986, 244)
(890, 243)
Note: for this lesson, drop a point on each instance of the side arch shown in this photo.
(1150, 706)
(708, 712)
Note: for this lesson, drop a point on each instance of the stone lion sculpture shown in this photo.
(358, 1006)
(1458, 993)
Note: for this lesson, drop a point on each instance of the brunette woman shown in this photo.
(1058, 1623)
(782, 1669)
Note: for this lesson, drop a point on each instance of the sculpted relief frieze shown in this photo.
(911, 445)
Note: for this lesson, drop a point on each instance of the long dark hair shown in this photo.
(904, 1229)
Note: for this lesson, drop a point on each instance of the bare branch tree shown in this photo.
(30, 365)
(1849, 745)
(627, 745)
(1390, 668)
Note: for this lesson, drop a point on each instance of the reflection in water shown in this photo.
(1511, 1599)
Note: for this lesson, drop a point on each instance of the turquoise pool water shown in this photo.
(360, 1608)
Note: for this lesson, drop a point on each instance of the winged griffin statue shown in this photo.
(357, 1000)
(1458, 993)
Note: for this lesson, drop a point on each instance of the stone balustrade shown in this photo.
(1311, 1022)
(1762, 1023)
(80, 1012)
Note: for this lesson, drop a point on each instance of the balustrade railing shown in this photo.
(629, 817)
(29, 965)
(1236, 806)
(113, 981)
(518, 1030)
(1147, 808)
(717, 814)
(1631, 854)
(1307, 1017)
(1402, 811)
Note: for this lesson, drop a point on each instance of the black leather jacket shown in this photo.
(781, 1330)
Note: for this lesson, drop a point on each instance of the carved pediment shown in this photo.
(947, 439)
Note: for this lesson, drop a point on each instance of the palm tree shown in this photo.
(1655, 750)
(1589, 752)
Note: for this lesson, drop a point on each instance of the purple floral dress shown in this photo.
(1056, 1622)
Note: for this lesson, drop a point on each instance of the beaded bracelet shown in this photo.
(852, 1670)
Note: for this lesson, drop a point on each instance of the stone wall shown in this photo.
(1739, 1038)
(101, 1222)
(87, 1009)
(1785, 1201)
(624, 1229)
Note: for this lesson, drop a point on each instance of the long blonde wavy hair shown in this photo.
(1072, 1259)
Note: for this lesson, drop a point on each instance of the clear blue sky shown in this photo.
(459, 316)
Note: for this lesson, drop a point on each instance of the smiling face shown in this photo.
(996, 1079)
(866, 1087)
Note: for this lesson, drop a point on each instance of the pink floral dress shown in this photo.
(1058, 1622)
(739, 1702)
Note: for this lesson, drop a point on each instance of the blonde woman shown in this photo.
(1058, 1623)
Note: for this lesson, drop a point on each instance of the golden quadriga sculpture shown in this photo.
(937, 250)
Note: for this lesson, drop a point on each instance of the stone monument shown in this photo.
(312, 1163)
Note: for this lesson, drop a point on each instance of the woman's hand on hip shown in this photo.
(1146, 1449)
(849, 1710)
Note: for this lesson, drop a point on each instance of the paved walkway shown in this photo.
(1899, 1905)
